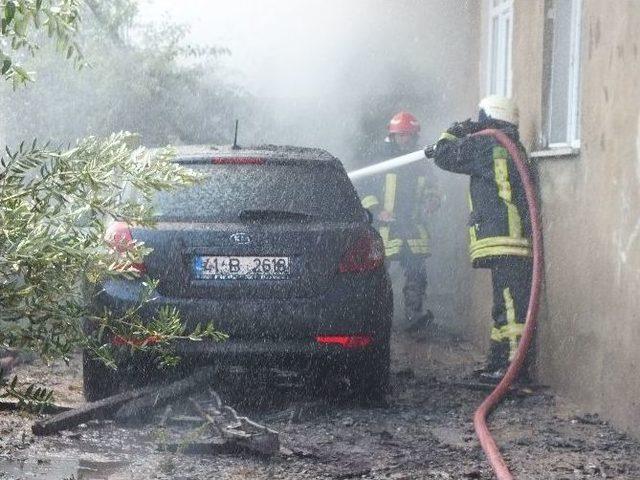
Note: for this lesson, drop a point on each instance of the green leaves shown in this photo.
(156, 337)
(9, 11)
(6, 64)
(33, 397)
(54, 206)
(60, 19)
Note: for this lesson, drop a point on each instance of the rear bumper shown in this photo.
(295, 355)
(272, 331)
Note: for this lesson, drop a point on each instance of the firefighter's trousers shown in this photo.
(415, 285)
(511, 278)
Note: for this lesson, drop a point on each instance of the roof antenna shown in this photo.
(235, 139)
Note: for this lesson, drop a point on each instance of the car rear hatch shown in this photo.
(269, 229)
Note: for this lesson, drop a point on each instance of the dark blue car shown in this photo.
(275, 249)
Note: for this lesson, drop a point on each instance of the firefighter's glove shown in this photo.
(430, 151)
(462, 129)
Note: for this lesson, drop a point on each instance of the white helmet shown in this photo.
(500, 108)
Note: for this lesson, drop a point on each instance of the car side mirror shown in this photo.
(369, 215)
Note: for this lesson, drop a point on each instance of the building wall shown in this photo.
(589, 331)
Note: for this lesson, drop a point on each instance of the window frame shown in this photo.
(499, 77)
(571, 145)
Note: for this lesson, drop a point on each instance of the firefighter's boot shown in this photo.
(423, 322)
(414, 289)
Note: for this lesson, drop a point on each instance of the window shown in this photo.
(499, 53)
(288, 191)
(563, 97)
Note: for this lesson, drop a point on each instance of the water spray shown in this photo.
(391, 164)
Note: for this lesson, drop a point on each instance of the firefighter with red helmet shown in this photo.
(401, 202)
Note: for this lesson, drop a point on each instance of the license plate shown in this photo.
(241, 268)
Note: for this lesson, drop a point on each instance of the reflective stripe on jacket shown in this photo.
(499, 223)
(403, 195)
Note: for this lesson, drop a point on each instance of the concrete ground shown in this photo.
(424, 433)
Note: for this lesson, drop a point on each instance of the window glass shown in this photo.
(563, 122)
(500, 35)
(493, 74)
(319, 191)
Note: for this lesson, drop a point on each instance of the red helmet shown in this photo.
(404, 122)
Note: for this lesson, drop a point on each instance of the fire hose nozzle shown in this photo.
(430, 151)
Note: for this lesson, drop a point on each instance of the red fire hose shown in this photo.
(480, 417)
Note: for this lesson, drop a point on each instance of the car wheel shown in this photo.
(99, 381)
(370, 381)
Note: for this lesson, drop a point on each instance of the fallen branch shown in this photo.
(183, 420)
(239, 431)
(299, 412)
(101, 409)
(141, 408)
(150, 397)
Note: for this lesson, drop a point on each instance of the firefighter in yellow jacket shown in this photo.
(400, 202)
(499, 224)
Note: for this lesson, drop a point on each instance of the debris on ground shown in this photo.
(100, 410)
(237, 430)
(124, 405)
(514, 390)
(142, 408)
(425, 432)
(232, 432)
(7, 363)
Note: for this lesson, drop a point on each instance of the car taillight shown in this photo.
(237, 161)
(366, 254)
(346, 341)
(118, 237)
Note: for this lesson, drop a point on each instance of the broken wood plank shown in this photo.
(142, 407)
(184, 420)
(107, 407)
(94, 410)
(299, 412)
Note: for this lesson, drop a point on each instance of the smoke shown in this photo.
(330, 73)
(325, 73)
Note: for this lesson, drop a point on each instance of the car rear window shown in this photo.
(317, 191)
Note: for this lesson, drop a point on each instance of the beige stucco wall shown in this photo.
(589, 335)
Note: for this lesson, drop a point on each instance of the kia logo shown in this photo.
(240, 238)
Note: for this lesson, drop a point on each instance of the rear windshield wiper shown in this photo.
(273, 215)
